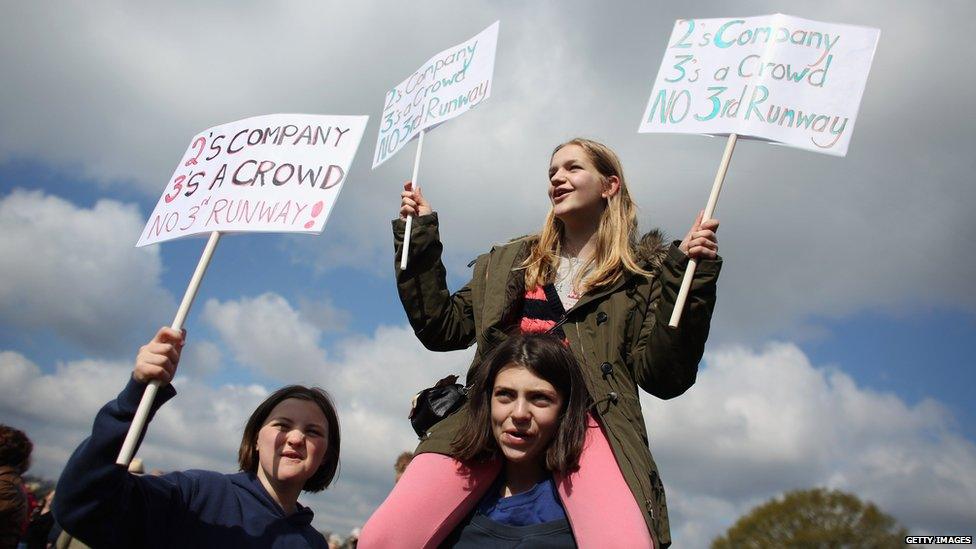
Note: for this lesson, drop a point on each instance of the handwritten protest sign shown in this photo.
(274, 173)
(785, 79)
(447, 85)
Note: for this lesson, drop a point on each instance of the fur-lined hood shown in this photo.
(651, 249)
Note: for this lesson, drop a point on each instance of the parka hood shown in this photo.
(651, 249)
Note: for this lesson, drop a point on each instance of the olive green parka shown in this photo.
(619, 334)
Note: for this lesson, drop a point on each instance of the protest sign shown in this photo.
(778, 78)
(445, 86)
(274, 173)
(788, 80)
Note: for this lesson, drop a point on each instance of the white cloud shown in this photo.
(74, 271)
(201, 358)
(324, 314)
(758, 423)
(265, 333)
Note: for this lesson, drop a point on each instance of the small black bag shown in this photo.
(436, 403)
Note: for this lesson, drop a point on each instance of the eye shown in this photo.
(280, 424)
(504, 395)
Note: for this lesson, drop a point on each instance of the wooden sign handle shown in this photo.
(406, 233)
(723, 167)
(142, 413)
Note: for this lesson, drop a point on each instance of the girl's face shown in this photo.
(524, 413)
(292, 442)
(576, 188)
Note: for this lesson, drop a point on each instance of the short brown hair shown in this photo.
(247, 455)
(15, 449)
(547, 357)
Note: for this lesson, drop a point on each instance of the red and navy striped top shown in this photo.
(542, 311)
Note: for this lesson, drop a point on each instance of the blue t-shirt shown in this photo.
(536, 506)
(533, 519)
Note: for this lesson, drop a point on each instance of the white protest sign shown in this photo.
(445, 86)
(788, 80)
(274, 173)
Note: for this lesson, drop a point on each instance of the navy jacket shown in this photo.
(103, 505)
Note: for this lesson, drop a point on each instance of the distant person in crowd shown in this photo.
(290, 444)
(526, 416)
(335, 541)
(401, 465)
(353, 540)
(41, 523)
(15, 454)
(32, 487)
(587, 276)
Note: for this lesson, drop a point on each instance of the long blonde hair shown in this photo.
(616, 235)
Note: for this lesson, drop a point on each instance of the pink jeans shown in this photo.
(436, 492)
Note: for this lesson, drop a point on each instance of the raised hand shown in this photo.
(412, 202)
(701, 242)
(157, 360)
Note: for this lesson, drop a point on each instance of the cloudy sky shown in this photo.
(837, 356)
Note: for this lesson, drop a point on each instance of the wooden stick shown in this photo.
(406, 233)
(142, 413)
(679, 304)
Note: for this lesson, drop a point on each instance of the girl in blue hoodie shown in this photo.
(290, 444)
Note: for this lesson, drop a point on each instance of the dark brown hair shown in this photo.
(547, 357)
(247, 456)
(15, 449)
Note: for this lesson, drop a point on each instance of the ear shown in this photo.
(611, 186)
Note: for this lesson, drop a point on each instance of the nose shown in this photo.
(521, 412)
(295, 437)
(558, 177)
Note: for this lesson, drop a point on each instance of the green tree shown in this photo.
(817, 518)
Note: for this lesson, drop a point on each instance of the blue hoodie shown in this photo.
(104, 505)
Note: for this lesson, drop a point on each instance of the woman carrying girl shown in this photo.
(290, 444)
(589, 279)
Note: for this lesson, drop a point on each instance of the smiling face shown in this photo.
(576, 188)
(524, 414)
(291, 443)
